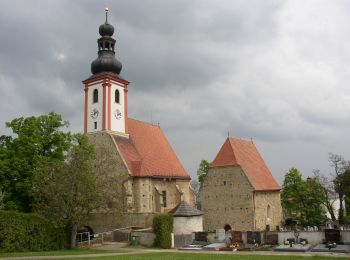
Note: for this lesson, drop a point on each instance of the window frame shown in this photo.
(117, 100)
(95, 96)
(164, 198)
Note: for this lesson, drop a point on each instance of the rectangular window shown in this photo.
(164, 198)
(95, 125)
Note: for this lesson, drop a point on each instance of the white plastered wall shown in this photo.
(91, 106)
(187, 225)
(117, 125)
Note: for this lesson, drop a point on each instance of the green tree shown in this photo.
(342, 184)
(327, 192)
(34, 139)
(1, 200)
(303, 199)
(203, 171)
(69, 191)
(340, 166)
(66, 191)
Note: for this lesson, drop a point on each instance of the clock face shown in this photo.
(94, 113)
(117, 114)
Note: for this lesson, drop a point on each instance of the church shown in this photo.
(239, 191)
(149, 177)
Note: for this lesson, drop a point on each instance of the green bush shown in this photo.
(162, 228)
(29, 232)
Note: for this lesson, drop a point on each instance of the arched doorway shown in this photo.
(227, 227)
(83, 234)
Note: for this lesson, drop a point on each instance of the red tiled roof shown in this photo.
(148, 153)
(237, 152)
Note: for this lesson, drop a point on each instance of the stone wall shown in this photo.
(135, 199)
(268, 210)
(148, 194)
(144, 238)
(109, 164)
(187, 192)
(103, 222)
(227, 198)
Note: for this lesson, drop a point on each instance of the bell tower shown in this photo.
(106, 92)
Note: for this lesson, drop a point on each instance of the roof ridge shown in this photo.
(143, 122)
(232, 146)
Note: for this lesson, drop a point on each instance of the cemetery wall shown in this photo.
(313, 238)
(145, 238)
(227, 198)
(268, 210)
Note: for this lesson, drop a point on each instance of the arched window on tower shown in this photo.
(95, 96)
(116, 96)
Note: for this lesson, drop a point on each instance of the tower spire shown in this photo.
(106, 60)
(106, 10)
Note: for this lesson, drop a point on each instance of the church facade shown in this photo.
(149, 178)
(239, 191)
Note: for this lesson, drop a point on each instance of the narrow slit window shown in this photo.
(95, 125)
(116, 96)
(268, 211)
(164, 198)
(95, 96)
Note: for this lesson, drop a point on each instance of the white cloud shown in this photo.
(59, 56)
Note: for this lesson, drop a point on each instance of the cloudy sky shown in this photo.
(274, 71)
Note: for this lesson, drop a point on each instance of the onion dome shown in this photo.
(106, 29)
(106, 60)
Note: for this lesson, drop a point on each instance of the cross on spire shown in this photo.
(106, 10)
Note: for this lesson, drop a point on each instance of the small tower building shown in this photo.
(239, 190)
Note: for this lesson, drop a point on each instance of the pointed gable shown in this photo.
(148, 153)
(243, 153)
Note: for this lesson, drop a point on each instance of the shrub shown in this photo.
(29, 232)
(162, 227)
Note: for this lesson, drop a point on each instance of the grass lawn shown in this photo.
(61, 252)
(196, 256)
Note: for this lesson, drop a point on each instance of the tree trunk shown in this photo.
(341, 207)
(73, 238)
(331, 211)
(329, 207)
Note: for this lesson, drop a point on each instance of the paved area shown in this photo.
(141, 250)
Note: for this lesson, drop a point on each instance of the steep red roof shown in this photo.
(237, 152)
(148, 153)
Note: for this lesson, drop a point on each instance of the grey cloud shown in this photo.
(260, 69)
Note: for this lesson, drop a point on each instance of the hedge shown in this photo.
(29, 232)
(162, 228)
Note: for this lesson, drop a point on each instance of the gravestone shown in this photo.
(271, 239)
(291, 240)
(253, 237)
(220, 234)
(201, 236)
(332, 235)
(237, 237)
